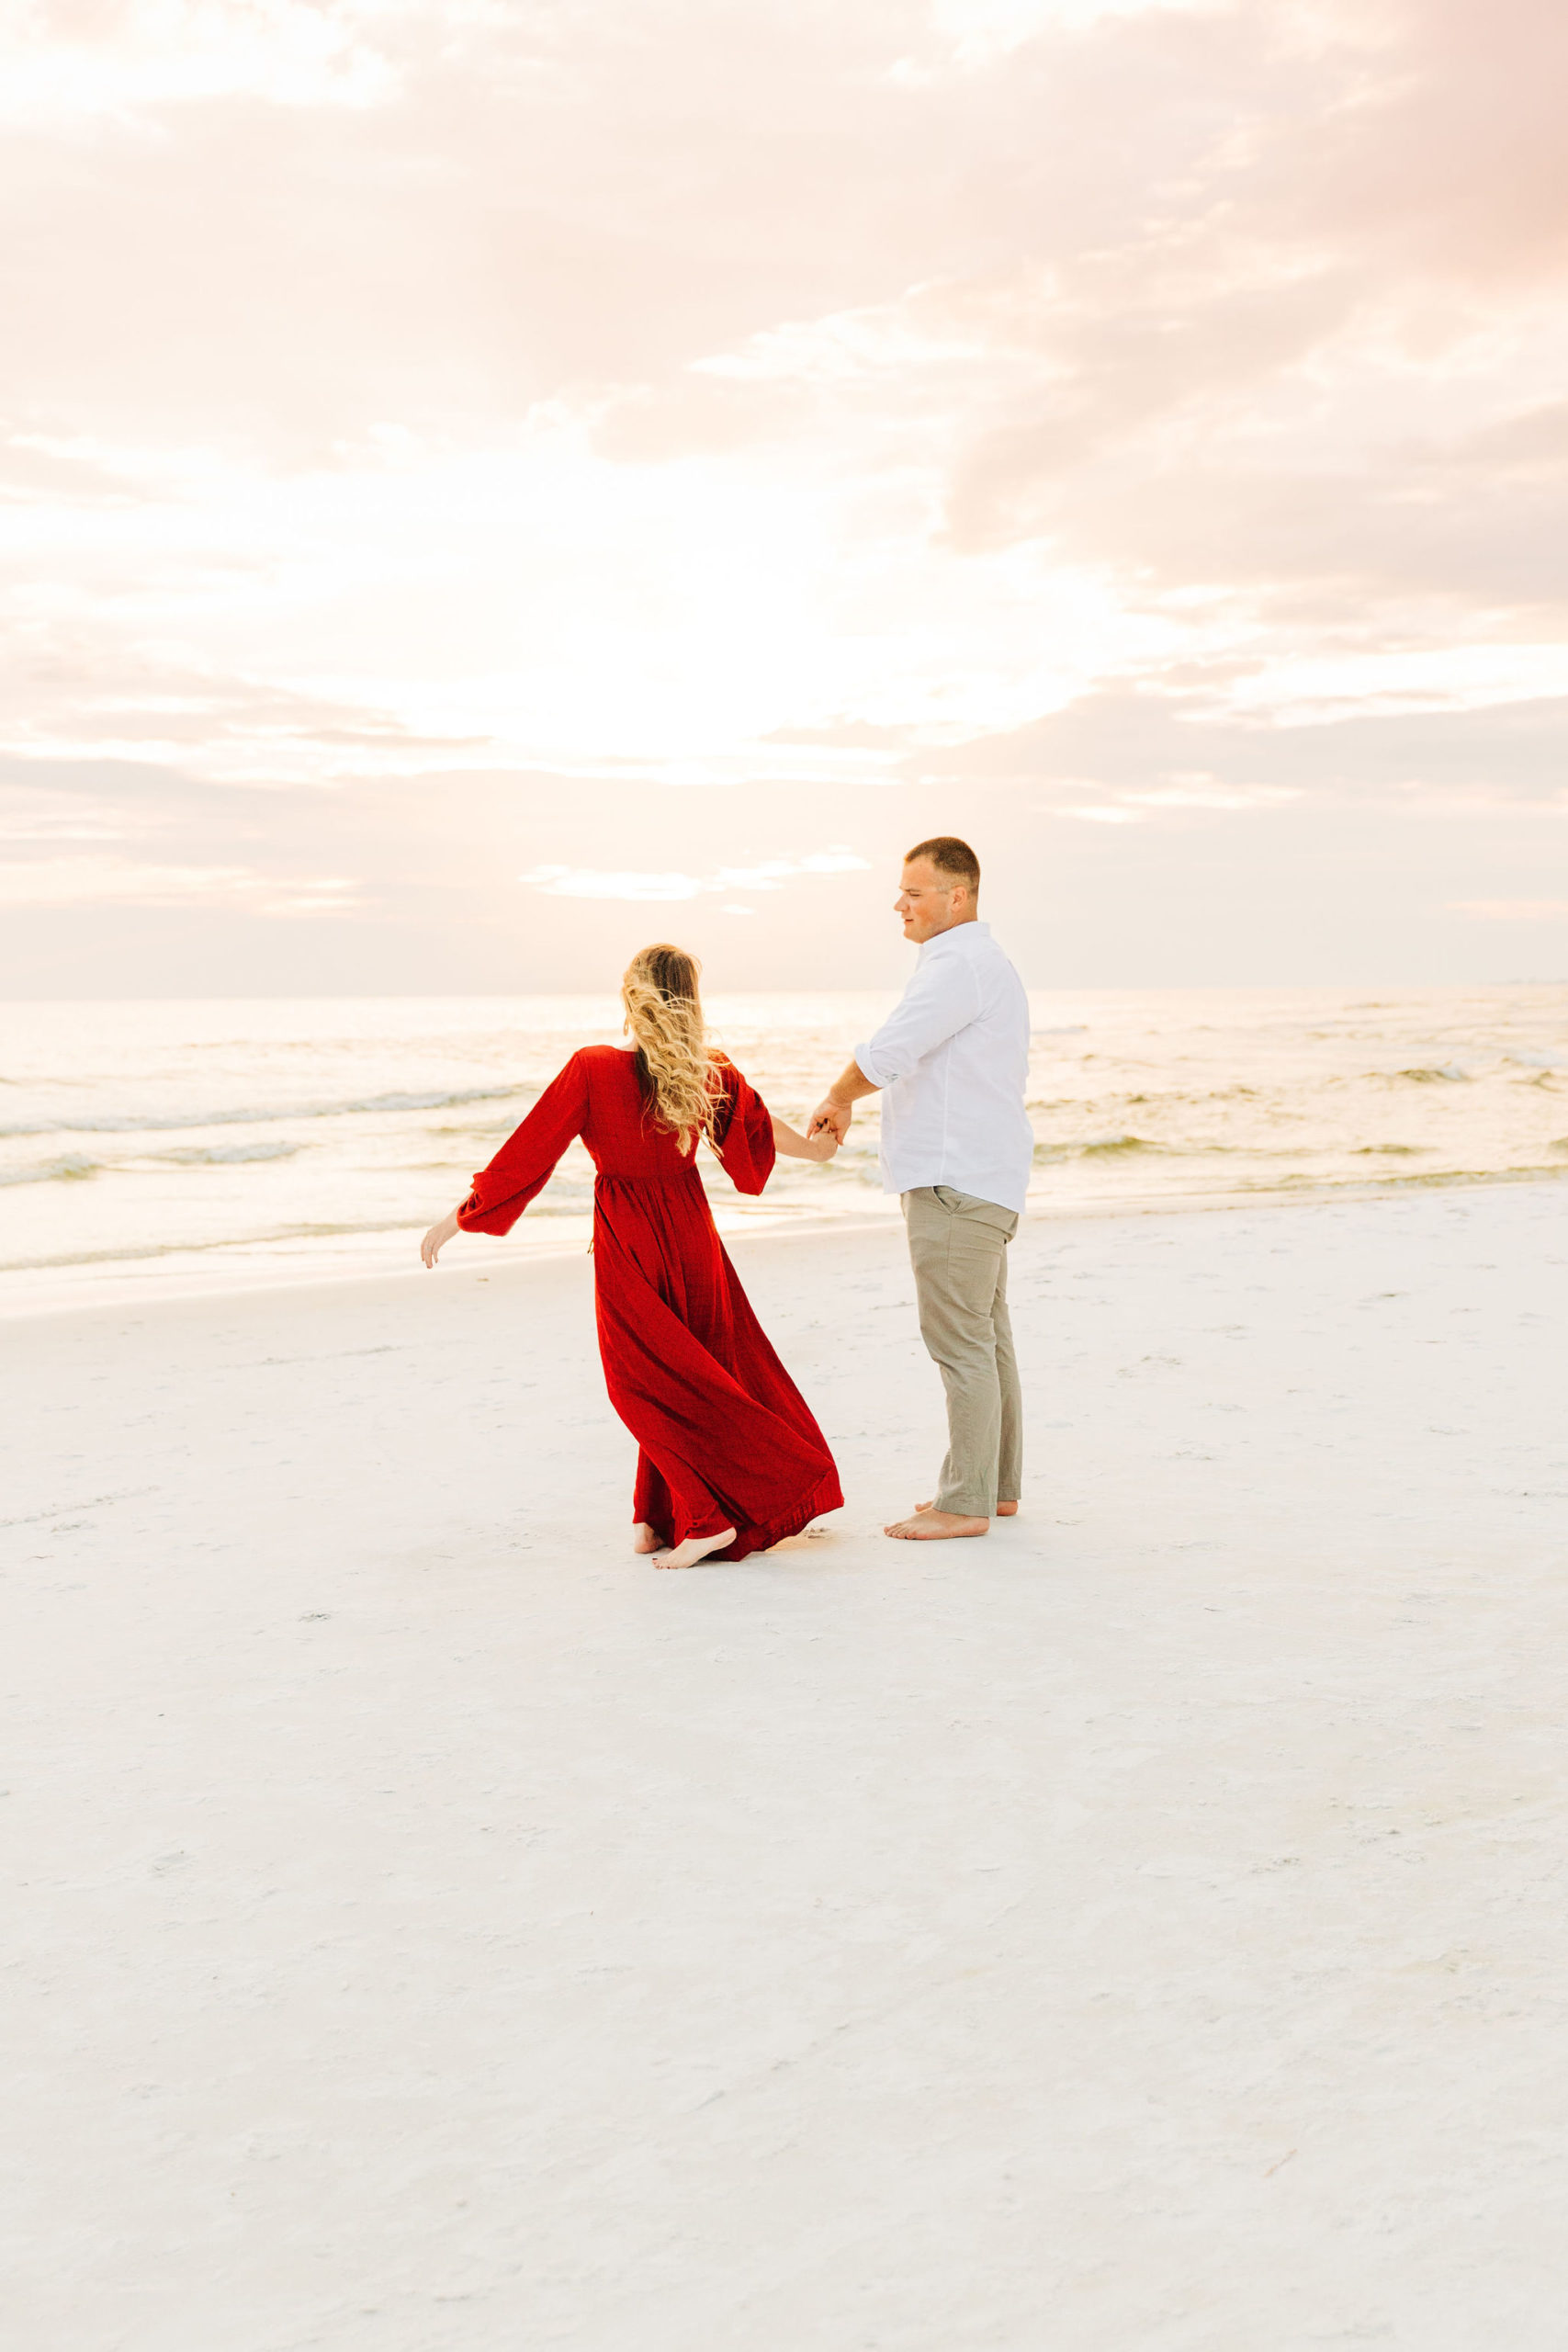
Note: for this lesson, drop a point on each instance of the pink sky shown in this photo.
(484, 483)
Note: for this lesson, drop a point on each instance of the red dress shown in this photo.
(725, 1437)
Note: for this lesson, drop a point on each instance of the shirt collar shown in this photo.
(955, 937)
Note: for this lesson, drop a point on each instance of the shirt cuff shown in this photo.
(867, 1065)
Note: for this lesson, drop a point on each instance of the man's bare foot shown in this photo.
(644, 1538)
(1004, 1511)
(934, 1526)
(694, 1548)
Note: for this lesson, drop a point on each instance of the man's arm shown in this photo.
(943, 998)
(834, 1113)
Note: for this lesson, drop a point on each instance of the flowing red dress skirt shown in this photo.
(725, 1437)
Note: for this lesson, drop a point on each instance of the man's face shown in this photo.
(930, 901)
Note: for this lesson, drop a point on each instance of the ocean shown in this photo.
(180, 1146)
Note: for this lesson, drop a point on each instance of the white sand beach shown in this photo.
(431, 1931)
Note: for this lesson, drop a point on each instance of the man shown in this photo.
(956, 1142)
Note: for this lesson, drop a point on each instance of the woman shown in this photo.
(730, 1459)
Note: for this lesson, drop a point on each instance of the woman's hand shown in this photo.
(790, 1144)
(436, 1240)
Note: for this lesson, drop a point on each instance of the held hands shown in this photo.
(790, 1144)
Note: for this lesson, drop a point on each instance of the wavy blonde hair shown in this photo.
(664, 1016)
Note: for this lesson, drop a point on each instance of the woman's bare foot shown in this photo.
(1004, 1511)
(694, 1548)
(645, 1538)
(931, 1526)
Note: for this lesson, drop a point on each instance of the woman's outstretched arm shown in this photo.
(523, 1166)
(790, 1145)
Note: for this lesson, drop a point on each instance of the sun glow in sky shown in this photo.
(473, 473)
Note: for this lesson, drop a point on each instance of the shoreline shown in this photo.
(118, 1287)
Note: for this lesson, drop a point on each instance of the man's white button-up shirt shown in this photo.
(952, 1062)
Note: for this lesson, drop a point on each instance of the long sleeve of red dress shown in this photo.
(743, 1136)
(526, 1160)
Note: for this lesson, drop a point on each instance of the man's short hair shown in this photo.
(950, 856)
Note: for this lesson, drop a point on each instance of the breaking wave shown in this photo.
(280, 1113)
(70, 1168)
(233, 1155)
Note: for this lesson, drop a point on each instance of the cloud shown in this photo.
(75, 683)
(1158, 738)
(1153, 413)
(89, 881)
(655, 890)
(982, 31)
(669, 889)
(1197, 789)
(1452, 678)
(130, 58)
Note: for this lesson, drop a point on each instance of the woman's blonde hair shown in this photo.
(664, 1015)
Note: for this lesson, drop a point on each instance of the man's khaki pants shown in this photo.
(958, 1247)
